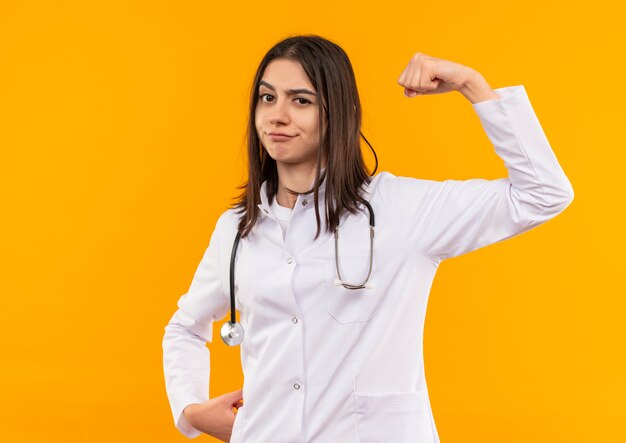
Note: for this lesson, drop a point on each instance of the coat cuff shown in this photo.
(508, 95)
(183, 425)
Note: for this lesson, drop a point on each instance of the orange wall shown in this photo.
(121, 141)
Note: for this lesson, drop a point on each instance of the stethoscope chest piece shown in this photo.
(232, 333)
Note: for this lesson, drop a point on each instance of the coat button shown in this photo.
(290, 260)
(296, 386)
(294, 320)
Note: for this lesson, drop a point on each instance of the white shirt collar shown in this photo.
(266, 207)
(281, 212)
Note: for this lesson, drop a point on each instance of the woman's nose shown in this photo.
(279, 113)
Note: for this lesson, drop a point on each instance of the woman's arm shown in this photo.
(448, 218)
(186, 358)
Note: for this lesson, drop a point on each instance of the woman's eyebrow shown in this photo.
(289, 91)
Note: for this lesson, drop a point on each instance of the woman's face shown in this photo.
(288, 104)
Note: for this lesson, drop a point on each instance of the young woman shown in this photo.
(333, 266)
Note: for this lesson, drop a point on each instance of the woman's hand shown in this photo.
(429, 75)
(215, 416)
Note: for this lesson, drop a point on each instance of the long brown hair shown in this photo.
(329, 70)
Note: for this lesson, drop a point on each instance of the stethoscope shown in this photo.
(232, 331)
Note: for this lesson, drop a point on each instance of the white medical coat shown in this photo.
(322, 363)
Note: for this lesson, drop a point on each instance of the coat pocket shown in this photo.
(236, 435)
(353, 305)
(398, 417)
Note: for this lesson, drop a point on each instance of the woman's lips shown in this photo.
(280, 138)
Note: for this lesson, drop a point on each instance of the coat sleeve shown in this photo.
(186, 358)
(448, 218)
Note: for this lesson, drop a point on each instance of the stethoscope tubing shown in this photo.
(232, 332)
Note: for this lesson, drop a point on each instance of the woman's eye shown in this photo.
(302, 101)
